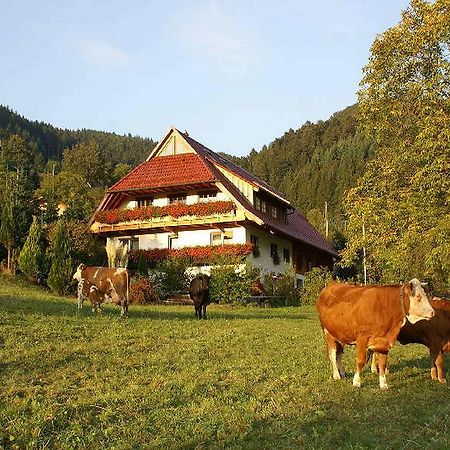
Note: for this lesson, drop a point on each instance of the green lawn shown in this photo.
(246, 378)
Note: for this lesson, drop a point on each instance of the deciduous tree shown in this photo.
(403, 198)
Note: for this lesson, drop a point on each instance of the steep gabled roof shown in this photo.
(165, 171)
(230, 166)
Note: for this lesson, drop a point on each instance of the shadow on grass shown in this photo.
(68, 308)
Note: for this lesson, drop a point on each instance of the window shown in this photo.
(255, 241)
(257, 203)
(274, 211)
(177, 198)
(144, 202)
(209, 196)
(309, 265)
(132, 243)
(263, 206)
(216, 238)
(228, 235)
(274, 253)
(286, 255)
(173, 239)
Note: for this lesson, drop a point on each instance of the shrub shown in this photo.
(283, 288)
(142, 265)
(62, 266)
(171, 274)
(32, 258)
(315, 280)
(231, 280)
(144, 292)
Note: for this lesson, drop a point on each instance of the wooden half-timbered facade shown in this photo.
(187, 196)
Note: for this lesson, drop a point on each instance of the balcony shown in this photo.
(167, 218)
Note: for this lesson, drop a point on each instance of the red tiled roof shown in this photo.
(164, 171)
(220, 160)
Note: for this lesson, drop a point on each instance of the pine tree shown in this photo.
(32, 259)
(62, 266)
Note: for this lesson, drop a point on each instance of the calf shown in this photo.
(109, 280)
(199, 293)
(370, 317)
(433, 333)
(89, 291)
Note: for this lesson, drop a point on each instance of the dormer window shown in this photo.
(177, 198)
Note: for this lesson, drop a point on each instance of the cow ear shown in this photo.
(413, 284)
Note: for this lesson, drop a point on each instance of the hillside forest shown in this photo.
(382, 165)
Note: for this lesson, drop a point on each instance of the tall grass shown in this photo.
(251, 378)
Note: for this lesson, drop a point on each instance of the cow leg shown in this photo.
(339, 355)
(198, 312)
(373, 365)
(437, 365)
(204, 311)
(332, 348)
(382, 364)
(80, 296)
(124, 308)
(361, 349)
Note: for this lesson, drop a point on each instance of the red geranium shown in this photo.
(175, 210)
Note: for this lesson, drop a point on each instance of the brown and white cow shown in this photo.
(370, 317)
(433, 333)
(111, 282)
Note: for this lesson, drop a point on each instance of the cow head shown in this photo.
(419, 306)
(78, 274)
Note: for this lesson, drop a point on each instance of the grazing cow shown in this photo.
(199, 293)
(433, 333)
(110, 281)
(370, 317)
(89, 291)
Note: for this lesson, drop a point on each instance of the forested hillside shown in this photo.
(312, 165)
(48, 142)
(315, 164)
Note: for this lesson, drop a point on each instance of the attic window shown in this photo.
(177, 198)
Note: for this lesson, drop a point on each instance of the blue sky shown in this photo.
(236, 74)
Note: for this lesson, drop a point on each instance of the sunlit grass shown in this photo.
(246, 378)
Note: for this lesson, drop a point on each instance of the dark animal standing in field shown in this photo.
(199, 293)
(433, 333)
(371, 318)
(114, 282)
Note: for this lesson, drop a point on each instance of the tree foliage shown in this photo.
(62, 264)
(32, 258)
(403, 198)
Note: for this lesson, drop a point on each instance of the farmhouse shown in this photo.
(187, 199)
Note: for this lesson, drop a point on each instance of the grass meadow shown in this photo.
(246, 378)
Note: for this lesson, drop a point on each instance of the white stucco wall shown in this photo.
(189, 238)
(191, 199)
(264, 261)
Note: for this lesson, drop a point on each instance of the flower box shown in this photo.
(146, 213)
